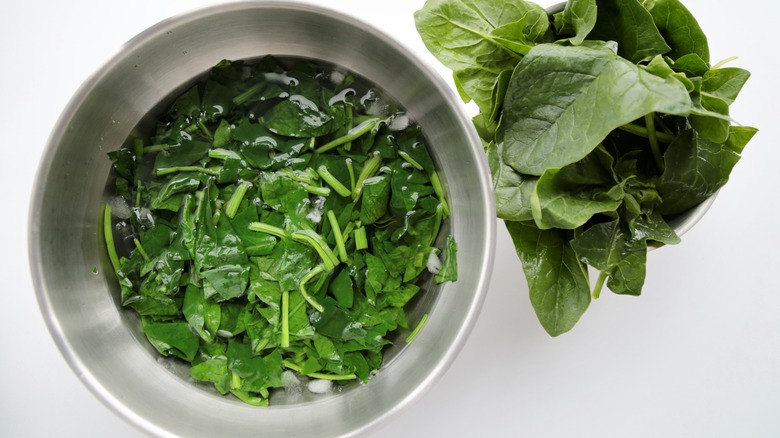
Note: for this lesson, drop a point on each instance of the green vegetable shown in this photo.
(275, 226)
(600, 122)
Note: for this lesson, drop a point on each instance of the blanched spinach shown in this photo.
(597, 125)
(275, 225)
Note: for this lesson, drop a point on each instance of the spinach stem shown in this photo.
(138, 187)
(369, 169)
(361, 241)
(285, 319)
(302, 176)
(231, 208)
(214, 171)
(246, 95)
(289, 364)
(138, 148)
(204, 129)
(156, 148)
(108, 234)
(599, 285)
(334, 224)
(223, 154)
(417, 329)
(408, 158)
(260, 346)
(347, 231)
(318, 243)
(334, 183)
(653, 139)
(235, 381)
(318, 191)
(332, 376)
(351, 171)
(302, 287)
(439, 190)
(723, 62)
(642, 132)
(350, 125)
(141, 249)
(268, 229)
(299, 369)
(352, 134)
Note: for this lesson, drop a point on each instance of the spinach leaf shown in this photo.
(553, 114)
(631, 26)
(275, 224)
(449, 267)
(476, 55)
(692, 174)
(174, 338)
(597, 131)
(577, 19)
(724, 83)
(610, 248)
(679, 28)
(568, 197)
(512, 189)
(557, 280)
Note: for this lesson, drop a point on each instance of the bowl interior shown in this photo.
(76, 288)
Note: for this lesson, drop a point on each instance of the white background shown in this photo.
(698, 355)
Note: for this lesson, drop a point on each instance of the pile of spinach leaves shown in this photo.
(600, 122)
(279, 218)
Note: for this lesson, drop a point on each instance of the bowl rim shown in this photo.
(60, 127)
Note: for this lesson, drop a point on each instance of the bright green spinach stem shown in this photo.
(417, 329)
(285, 319)
(138, 148)
(642, 132)
(141, 249)
(652, 137)
(333, 182)
(268, 229)
(319, 269)
(318, 243)
(108, 234)
(318, 191)
(369, 169)
(408, 158)
(156, 148)
(599, 284)
(298, 369)
(340, 246)
(231, 208)
(223, 154)
(439, 190)
(351, 171)
(352, 134)
(207, 170)
(361, 241)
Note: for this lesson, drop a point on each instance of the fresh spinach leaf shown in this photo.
(552, 114)
(557, 279)
(577, 19)
(631, 26)
(679, 28)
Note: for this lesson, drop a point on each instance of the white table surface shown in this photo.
(698, 355)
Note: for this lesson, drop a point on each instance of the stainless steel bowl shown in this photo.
(76, 289)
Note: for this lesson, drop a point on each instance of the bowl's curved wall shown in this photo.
(101, 343)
